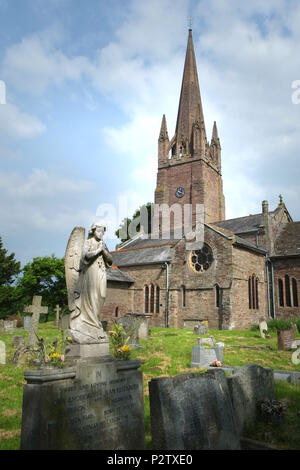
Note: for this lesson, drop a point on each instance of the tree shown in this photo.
(9, 269)
(43, 276)
(123, 228)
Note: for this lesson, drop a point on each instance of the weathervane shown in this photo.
(190, 22)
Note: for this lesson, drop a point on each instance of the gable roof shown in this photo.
(115, 274)
(245, 224)
(287, 242)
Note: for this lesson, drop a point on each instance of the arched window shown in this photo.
(157, 299)
(287, 291)
(217, 295)
(146, 299)
(295, 293)
(151, 298)
(253, 292)
(280, 292)
(116, 312)
(183, 296)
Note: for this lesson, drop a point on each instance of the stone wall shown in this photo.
(245, 264)
(291, 267)
(119, 300)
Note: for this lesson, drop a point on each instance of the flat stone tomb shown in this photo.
(95, 405)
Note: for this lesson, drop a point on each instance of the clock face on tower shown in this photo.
(179, 192)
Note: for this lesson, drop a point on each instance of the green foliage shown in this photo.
(281, 324)
(126, 222)
(254, 327)
(43, 276)
(52, 353)
(118, 342)
(9, 269)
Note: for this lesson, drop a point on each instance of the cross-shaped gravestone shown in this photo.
(36, 309)
(57, 310)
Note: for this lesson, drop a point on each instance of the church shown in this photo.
(247, 269)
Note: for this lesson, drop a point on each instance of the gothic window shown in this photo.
(201, 260)
(217, 296)
(280, 291)
(287, 291)
(116, 312)
(253, 292)
(146, 299)
(157, 299)
(151, 298)
(183, 296)
(295, 293)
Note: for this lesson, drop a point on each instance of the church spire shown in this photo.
(190, 107)
(163, 140)
(215, 135)
(163, 135)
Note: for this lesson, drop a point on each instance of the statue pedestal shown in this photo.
(78, 351)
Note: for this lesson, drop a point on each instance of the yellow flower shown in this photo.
(125, 348)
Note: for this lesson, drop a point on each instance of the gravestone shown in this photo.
(57, 311)
(200, 329)
(136, 326)
(10, 325)
(18, 341)
(206, 341)
(2, 353)
(285, 339)
(294, 328)
(192, 412)
(247, 386)
(36, 309)
(263, 327)
(64, 322)
(95, 404)
(26, 322)
(203, 357)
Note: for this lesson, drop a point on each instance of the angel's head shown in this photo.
(97, 231)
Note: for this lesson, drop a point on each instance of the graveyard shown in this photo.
(166, 353)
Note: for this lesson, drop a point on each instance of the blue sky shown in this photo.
(87, 84)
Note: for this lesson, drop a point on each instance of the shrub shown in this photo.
(254, 327)
(279, 325)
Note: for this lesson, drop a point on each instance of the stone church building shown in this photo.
(248, 268)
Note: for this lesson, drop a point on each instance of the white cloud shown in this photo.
(17, 124)
(42, 201)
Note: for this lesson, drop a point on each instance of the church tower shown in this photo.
(189, 167)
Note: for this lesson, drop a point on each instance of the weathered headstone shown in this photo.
(26, 322)
(57, 311)
(2, 353)
(247, 387)
(36, 309)
(294, 328)
(206, 341)
(96, 404)
(64, 322)
(192, 412)
(285, 339)
(263, 327)
(18, 341)
(136, 326)
(10, 325)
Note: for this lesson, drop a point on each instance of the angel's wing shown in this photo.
(72, 262)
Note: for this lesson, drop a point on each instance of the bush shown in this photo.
(280, 325)
(254, 327)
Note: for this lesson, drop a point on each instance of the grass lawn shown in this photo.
(166, 353)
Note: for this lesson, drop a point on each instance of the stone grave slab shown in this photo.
(64, 322)
(10, 325)
(203, 357)
(285, 339)
(2, 353)
(57, 312)
(192, 412)
(250, 384)
(26, 322)
(137, 326)
(92, 405)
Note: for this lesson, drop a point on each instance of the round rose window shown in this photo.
(201, 260)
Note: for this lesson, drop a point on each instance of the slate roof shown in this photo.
(245, 224)
(246, 244)
(113, 274)
(142, 255)
(288, 241)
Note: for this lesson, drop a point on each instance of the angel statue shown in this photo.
(85, 265)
